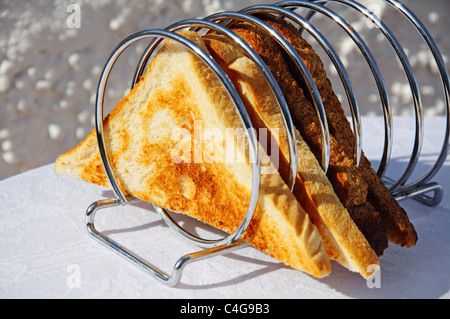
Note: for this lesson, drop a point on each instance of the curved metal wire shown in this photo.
(177, 271)
(413, 85)
(354, 36)
(245, 119)
(228, 17)
(446, 87)
(356, 117)
(400, 184)
(205, 23)
(388, 112)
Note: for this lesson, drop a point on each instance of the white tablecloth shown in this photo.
(46, 252)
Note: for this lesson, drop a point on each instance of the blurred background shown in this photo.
(53, 51)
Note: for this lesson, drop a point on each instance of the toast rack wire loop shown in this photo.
(294, 55)
(293, 155)
(356, 117)
(219, 23)
(399, 187)
(251, 135)
(317, 8)
(387, 111)
(215, 246)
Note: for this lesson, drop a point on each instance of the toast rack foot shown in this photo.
(169, 280)
(420, 194)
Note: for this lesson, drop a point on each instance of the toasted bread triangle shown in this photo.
(178, 93)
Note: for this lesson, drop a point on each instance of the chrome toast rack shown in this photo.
(422, 189)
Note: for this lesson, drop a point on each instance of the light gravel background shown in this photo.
(49, 71)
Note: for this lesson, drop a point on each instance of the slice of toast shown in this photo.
(342, 238)
(157, 154)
